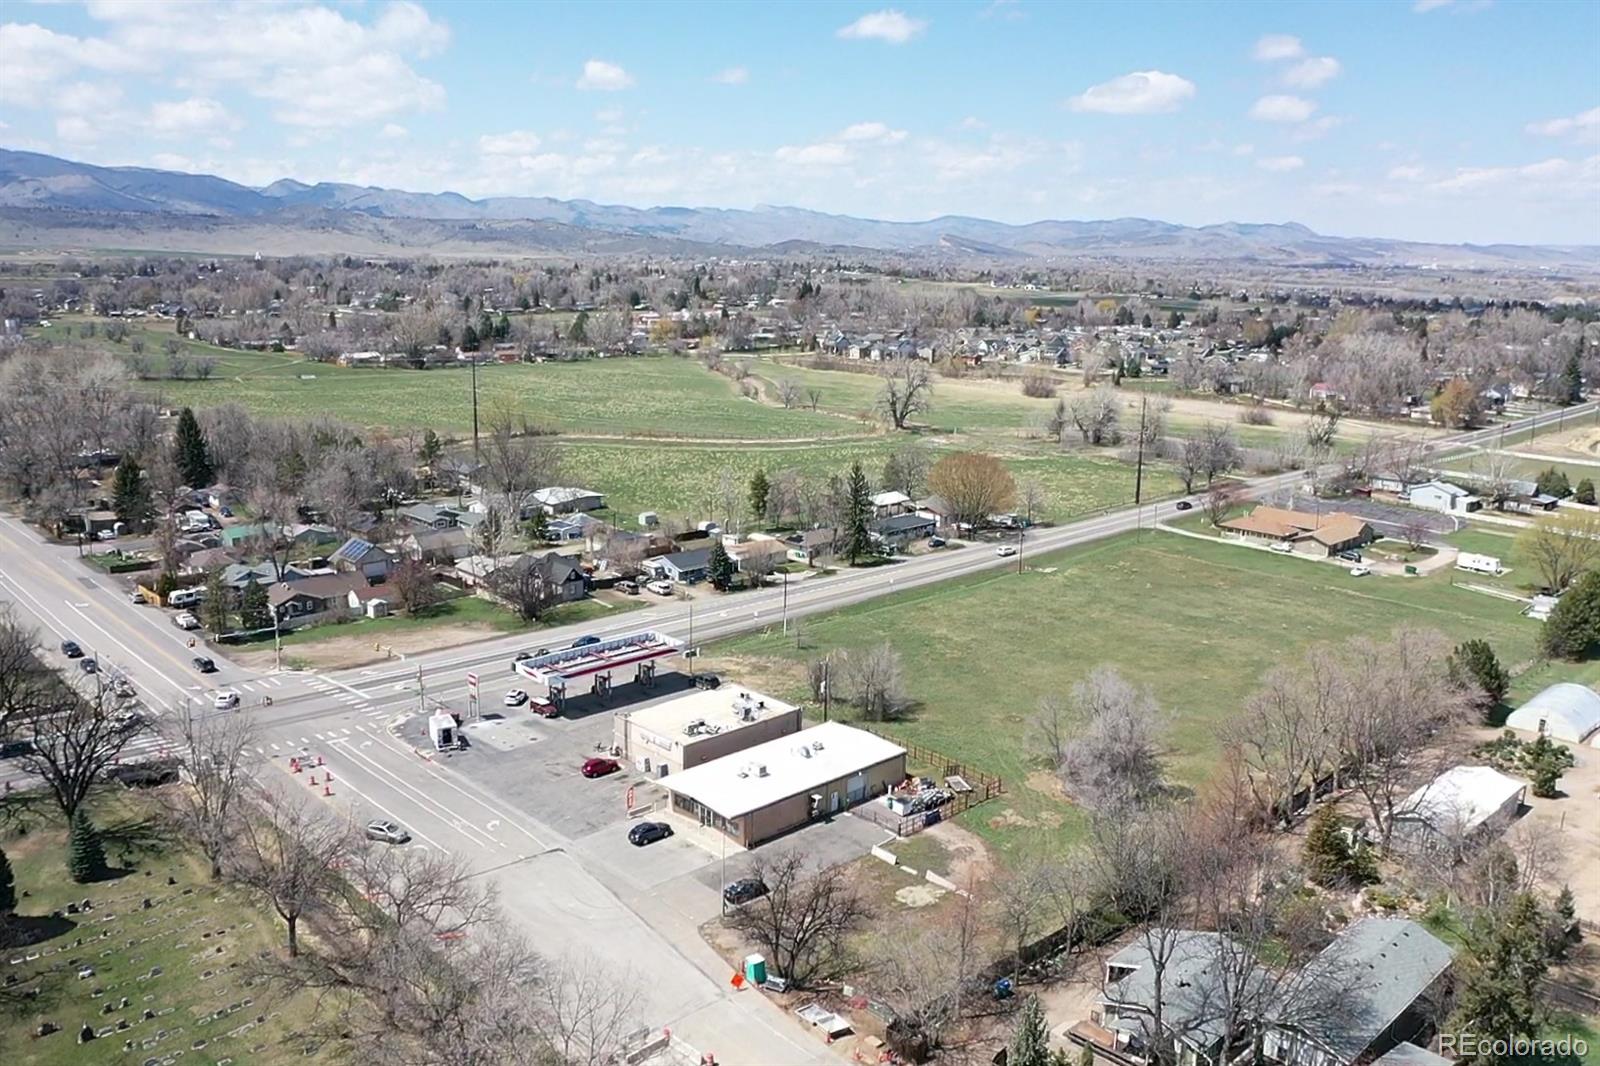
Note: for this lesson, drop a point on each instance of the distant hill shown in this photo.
(43, 198)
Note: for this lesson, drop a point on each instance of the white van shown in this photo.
(187, 597)
(1281, 547)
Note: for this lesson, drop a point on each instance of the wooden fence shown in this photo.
(984, 787)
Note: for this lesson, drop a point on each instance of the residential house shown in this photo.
(1457, 810)
(1524, 497)
(563, 499)
(937, 508)
(686, 567)
(204, 560)
(437, 547)
(900, 530)
(1312, 534)
(1440, 496)
(324, 598)
(430, 516)
(752, 555)
(559, 571)
(889, 503)
(811, 546)
(573, 527)
(363, 557)
(1191, 982)
(475, 570)
(1377, 985)
(242, 575)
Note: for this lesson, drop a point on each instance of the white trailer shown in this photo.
(442, 730)
(1479, 564)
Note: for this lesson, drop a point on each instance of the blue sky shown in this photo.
(1454, 120)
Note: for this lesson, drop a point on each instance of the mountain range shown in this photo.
(45, 201)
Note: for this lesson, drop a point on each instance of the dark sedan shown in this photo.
(88, 666)
(204, 665)
(70, 649)
(584, 642)
(744, 890)
(648, 833)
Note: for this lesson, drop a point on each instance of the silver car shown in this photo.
(387, 832)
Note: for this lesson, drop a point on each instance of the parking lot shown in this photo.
(532, 764)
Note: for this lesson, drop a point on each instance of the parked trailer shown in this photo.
(1479, 564)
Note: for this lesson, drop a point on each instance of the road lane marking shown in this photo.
(429, 769)
(455, 820)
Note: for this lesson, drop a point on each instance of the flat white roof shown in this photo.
(735, 785)
(1461, 799)
(721, 709)
(889, 498)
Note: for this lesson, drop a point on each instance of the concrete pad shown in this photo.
(501, 734)
(645, 867)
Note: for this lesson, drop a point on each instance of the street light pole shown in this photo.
(786, 603)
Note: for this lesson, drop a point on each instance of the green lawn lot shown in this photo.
(1198, 622)
(187, 958)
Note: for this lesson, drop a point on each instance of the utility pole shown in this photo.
(476, 455)
(786, 603)
(692, 655)
(1021, 531)
(1138, 475)
(827, 691)
(277, 643)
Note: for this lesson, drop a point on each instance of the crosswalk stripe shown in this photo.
(274, 747)
(347, 731)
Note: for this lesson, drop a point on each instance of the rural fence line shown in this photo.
(984, 787)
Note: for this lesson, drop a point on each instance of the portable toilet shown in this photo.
(755, 969)
(442, 729)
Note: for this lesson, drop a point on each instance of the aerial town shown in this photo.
(450, 617)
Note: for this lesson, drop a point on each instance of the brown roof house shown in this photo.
(1311, 534)
(324, 598)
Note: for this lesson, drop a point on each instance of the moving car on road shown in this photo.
(1006, 551)
(70, 649)
(386, 832)
(88, 666)
(744, 890)
(585, 641)
(648, 833)
(1183, 505)
(599, 767)
(519, 657)
(226, 701)
(185, 620)
(204, 664)
(516, 698)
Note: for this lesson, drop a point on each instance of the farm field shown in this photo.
(682, 480)
(1198, 622)
(186, 958)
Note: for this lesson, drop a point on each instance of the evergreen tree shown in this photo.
(485, 326)
(1545, 762)
(578, 332)
(721, 567)
(1574, 623)
(333, 320)
(502, 327)
(8, 886)
(1030, 1039)
(432, 447)
(189, 447)
(86, 856)
(1475, 661)
(1174, 320)
(469, 339)
(1146, 323)
(759, 487)
(1585, 492)
(1330, 858)
(130, 496)
(1563, 922)
(538, 527)
(1498, 991)
(254, 610)
(1553, 482)
(858, 512)
(216, 609)
(1572, 377)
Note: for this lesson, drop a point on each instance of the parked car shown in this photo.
(744, 890)
(1006, 551)
(126, 720)
(106, 534)
(185, 620)
(88, 666)
(936, 542)
(16, 749)
(544, 708)
(204, 665)
(386, 832)
(521, 656)
(707, 681)
(628, 588)
(1183, 505)
(226, 701)
(70, 649)
(661, 587)
(648, 833)
(1350, 557)
(1360, 571)
(124, 688)
(585, 641)
(516, 698)
(598, 767)
(136, 598)
(1281, 547)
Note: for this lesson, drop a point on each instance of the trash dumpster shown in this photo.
(1411, 571)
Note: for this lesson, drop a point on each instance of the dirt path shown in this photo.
(354, 649)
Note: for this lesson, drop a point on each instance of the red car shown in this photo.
(598, 767)
(543, 708)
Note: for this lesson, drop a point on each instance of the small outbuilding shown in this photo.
(1565, 711)
(767, 790)
(1458, 809)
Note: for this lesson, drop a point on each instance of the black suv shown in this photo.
(744, 890)
(70, 649)
(707, 681)
(204, 665)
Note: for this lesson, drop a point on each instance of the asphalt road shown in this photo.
(565, 900)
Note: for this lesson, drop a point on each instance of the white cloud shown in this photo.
(731, 76)
(871, 131)
(609, 116)
(1275, 46)
(1280, 164)
(1549, 172)
(973, 122)
(1456, 7)
(602, 76)
(1316, 128)
(1406, 172)
(1144, 92)
(825, 154)
(1009, 10)
(393, 131)
(1584, 126)
(510, 143)
(1244, 149)
(1312, 72)
(192, 117)
(889, 25)
(1282, 109)
(1422, 7)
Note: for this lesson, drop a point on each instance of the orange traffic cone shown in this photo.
(313, 780)
(327, 790)
(294, 766)
(319, 760)
(328, 776)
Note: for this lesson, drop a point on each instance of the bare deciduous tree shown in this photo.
(925, 970)
(906, 390)
(583, 1012)
(75, 738)
(973, 485)
(284, 851)
(1562, 546)
(804, 922)
(1096, 415)
(205, 806)
(1114, 758)
(873, 679)
(788, 391)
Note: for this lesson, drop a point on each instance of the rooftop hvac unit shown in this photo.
(816, 745)
(803, 751)
(761, 771)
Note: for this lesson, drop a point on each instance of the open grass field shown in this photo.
(185, 959)
(1198, 622)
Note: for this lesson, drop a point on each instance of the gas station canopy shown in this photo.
(555, 669)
